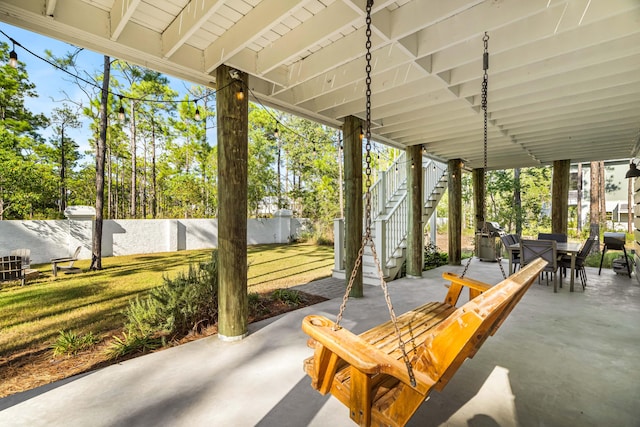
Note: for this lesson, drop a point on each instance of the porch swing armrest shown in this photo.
(476, 287)
(346, 345)
(360, 354)
(465, 281)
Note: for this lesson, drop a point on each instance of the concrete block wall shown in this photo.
(58, 238)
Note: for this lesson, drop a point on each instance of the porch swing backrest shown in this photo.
(366, 372)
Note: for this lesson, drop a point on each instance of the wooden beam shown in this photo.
(415, 244)
(190, 19)
(121, 13)
(455, 211)
(353, 200)
(51, 7)
(560, 196)
(253, 25)
(232, 115)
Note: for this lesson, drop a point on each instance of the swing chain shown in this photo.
(368, 121)
(367, 134)
(485, 84)
(367, 239)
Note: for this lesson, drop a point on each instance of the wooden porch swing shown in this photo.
(384, 374)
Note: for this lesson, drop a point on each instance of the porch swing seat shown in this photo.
(367, 372)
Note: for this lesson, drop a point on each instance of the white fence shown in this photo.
(58, 238)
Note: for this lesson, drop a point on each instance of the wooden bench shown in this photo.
(11, 269)
(367, 373)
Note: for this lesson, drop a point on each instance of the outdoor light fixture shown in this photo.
(13, 57)
(240, 94)
(197, 114)
(276, 133)
(361, 134)
(633, 171)
(121, 110)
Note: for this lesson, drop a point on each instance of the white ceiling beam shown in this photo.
(254, 24)
(565, 43)
(50, 7)
(472, 23)
(120, 15)
(581, 119)
(337, 54)
(576, 111)
(570, 94)
(608, 64)
(601, 99)
(383, 59)
(386, 87)
(188, 21)
(416, 15)
(321, 26)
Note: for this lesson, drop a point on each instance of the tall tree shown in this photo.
(517, 200)
(66, 149)
(25, 181)
(101, 149)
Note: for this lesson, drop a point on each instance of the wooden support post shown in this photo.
(353, 200)
(455, 211)
(415, 245)
(479, 197)
(560, 196)
(232, 119)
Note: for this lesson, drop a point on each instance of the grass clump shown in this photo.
(257, 306)
(69, 343)
(184, 304)
(287, 296)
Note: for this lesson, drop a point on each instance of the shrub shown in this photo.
(185, 303)
(70, 343)
(433, 257)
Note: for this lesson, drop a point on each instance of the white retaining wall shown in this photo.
(59, 238)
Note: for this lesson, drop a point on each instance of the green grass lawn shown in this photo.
(32, 316)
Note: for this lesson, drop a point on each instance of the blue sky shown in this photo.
(52, 84)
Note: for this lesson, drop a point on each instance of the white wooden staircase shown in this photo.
(389, 211)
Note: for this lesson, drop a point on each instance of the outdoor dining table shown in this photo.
(562, 248)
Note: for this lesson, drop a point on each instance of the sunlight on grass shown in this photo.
(31, 317)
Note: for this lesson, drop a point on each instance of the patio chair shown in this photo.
(508, 240)
(11, 269)
(565, 261)
(545, 249)
(25, 255)
(558, 237)
(69, 268)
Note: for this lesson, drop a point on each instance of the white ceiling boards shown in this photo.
(564, 75)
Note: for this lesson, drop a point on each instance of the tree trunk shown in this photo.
(101, 148)
(517, 200)
(63, 161)
(579, 199)
(594, 196)
(154, 205)
(603, 201)
(132, 208)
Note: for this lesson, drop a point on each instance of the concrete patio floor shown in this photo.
(565, 359)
